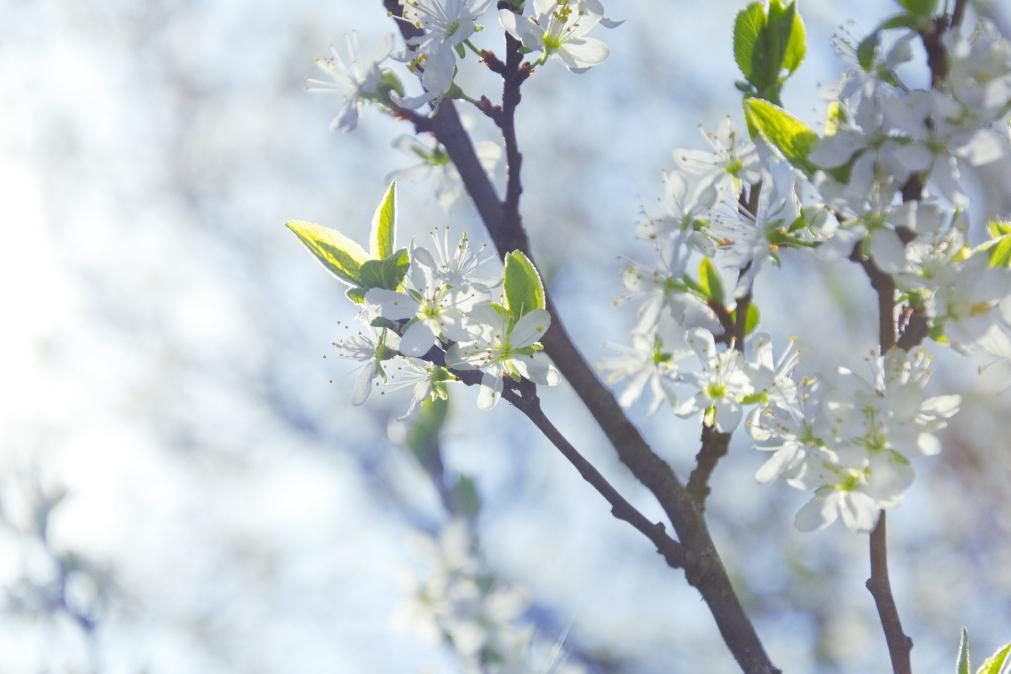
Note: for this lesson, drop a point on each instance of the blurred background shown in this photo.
(184, 484)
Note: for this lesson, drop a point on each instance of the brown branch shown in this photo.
(513, 78)
(714, 447)
(899, 644)
(670, 549)
(959, 13)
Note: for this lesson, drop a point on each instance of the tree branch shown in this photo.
(959, 13)
(670, 549)
(703, 567)
(513, 78)
(714, 447)
(899, 644)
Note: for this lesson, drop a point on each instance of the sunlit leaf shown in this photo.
(524, 290)
(384, 225)
(791, 136)
(342, 256)
(963, 653)
(996, 663)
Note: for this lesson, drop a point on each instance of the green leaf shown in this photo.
(752, 319)
(997, 229)
(465, 497)
(866, 50)
(995, 663)
(793, 138)
(920, 7)
(963, 653)
(342, 256)
(710, 282)
(796, 43)
(747, 27)
(387, 273)
(356, 294)
(384, 225)
(422, 438)
(524, 290)
(835, 118)
(1000, 253)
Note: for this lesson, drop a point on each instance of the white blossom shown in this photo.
(369, 348)
(689, 200)
(436, 166)
(500, 350)
(720, 385)
(351, 78)
(559, 28)
(431, 307)
(650, 362)
(444, 25)
(733, 161)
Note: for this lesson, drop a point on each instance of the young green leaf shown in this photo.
(751, 319)
(747, 27)
(710, 281)
(866, 50)
(384, 225)
(422, 437)
(996, 663)
(963, 653)
(791, 136)
(796, 44)
(835, 118)
(1000, 252)
(920, 7)
(524, 290)
(387, 273)
(339, 254)
(466, 499)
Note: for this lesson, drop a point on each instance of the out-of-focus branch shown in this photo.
(959, 13)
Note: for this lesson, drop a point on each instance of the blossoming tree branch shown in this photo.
(884, 183)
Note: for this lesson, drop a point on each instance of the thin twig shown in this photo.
(512, 80)
(899, 644)
(670, 549)
(959, 13)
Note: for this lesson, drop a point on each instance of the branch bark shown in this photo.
(899, 644)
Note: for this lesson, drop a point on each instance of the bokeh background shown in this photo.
(184, 485)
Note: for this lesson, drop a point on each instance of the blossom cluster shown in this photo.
(430, 316)
(550, 28)
(886, 184)
(460, 601)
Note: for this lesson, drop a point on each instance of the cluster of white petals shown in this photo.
(887, 185)
(849, 438)
(446, 303)
(460, 602)
(441, 36)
